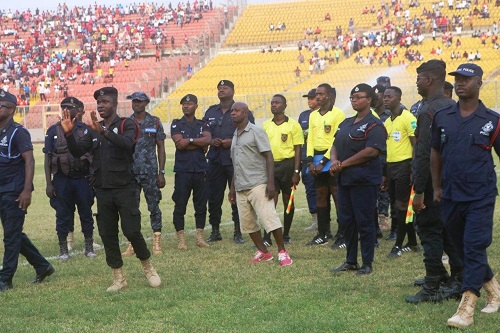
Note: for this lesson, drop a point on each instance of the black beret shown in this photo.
(431, 65)
(106, 91)
(363, 87)
(71, 102)
(189, 98)
(7, 97)
(377, 89)
(225, 83)
(447, 85)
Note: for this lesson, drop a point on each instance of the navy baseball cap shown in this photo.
(468, 70)
(139, 96)
(6, 96)
(310, 94)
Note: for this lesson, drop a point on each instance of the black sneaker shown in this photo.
(395, 252)
(318, 240)
(410, 248)
(287, 240)
(392, 236)
(339, 243)
(267, 241)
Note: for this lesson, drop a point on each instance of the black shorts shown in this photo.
(283, 172)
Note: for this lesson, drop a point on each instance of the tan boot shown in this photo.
(492, 289)
(150, 273)
(314, 225)
(181, 244)
(383, 222)
(464, 317)
(129, 251)
(119, 281)
(71, 240)
(157, 243)
(200, 242)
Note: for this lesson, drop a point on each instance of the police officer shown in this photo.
(355, 158)
(191, 137)
(17, 167)
(434, 240)
(220, 165)
(323, 124)
(111, 143)
(286, 139)
(464, 182)
(307, 178)
(67, 181)
(149, 165)
(448, 89)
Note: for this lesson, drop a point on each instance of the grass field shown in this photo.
(216, 289)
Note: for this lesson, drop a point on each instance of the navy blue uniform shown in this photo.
(15, 140)
(190, 174)
(220, 166)
(358, 185)
(307, 178)
(115, 186)
(70, 183)
(469, 185)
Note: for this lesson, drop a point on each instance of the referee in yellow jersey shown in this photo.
(286, 138)
(323, 124)
(400, 128)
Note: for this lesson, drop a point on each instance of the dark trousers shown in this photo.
(15, 241)
(308, 181)
(470, 226)
(219, 176)
(185, 182)
(71, 192)
(398, 179)
(435, 241)
(325, 185)
(119, 204)
(355, 211)
(152, 193)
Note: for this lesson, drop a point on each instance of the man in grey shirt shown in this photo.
(252, 188)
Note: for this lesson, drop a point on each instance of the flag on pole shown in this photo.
(290, 202)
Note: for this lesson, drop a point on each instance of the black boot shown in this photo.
(214, 235)
(429, 293)
(420, 282)
(452, 288)
(63, 250)
(237, 237)
(89, 248)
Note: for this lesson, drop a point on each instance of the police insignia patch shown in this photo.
(115, 130)
(101, 92)
(487, 128)
(362, 128)
(2, 93)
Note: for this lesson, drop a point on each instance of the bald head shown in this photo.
(239, 114)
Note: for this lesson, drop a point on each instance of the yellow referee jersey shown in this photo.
(322, 129)
(399, 130)
(283, 137)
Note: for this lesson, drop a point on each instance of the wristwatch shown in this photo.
(162, 172)
(191, 140)
(296, 171)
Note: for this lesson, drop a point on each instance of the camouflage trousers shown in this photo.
(152, 193)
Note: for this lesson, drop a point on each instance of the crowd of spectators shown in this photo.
(38, 48)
